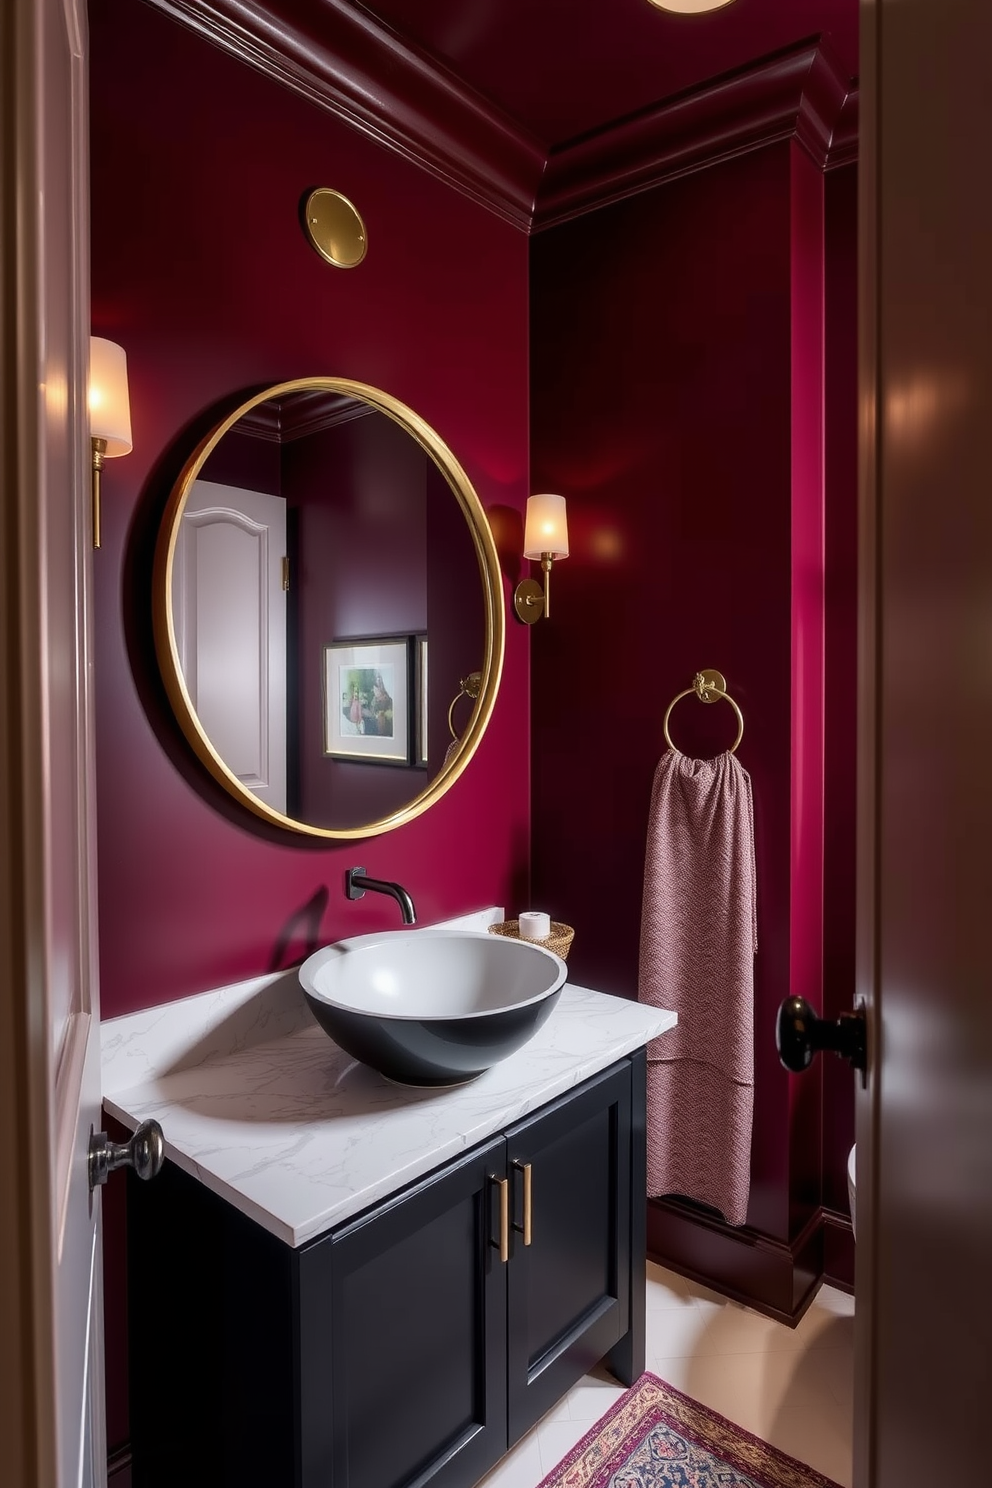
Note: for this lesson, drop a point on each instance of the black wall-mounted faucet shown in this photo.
(356, 881)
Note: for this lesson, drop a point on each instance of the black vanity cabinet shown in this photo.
(569, 1290)
(400, 1348)
(416, 1347)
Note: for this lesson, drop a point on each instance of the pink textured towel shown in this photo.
(698, 939)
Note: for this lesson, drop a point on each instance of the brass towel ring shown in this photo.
(709, 687)
(469, 687)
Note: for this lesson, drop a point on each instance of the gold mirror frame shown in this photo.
(492, 587)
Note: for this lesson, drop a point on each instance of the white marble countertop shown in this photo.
(259, 1104)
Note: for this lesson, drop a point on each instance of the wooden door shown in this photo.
(417, 1332)
(51, 1406)
(924, 1196)
(569, 1288)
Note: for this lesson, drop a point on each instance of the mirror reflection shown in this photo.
(330, 582)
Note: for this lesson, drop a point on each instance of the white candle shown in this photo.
(534, 924)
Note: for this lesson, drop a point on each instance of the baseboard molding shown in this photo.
(838, 1250)
(775, 1277)
(119, 1467)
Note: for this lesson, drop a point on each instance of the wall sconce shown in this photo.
(545, 538)
(110, 413)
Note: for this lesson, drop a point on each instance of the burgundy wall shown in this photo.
(360, 489)
(200, 270)
(841, 665)
(802, 1134)
(246, 462)
(661, 398)
(678, 401)
(455, 618)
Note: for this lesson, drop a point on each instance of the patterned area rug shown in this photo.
(655, 1437)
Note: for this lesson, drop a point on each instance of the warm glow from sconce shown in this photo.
(545, 539)
(110, 409)
(110, 413)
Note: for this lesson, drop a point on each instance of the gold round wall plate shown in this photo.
(712, 679)
(528, 601)
(335, 228)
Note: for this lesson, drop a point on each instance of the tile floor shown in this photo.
(791, 1386)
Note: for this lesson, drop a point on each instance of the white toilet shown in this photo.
(851, 1188)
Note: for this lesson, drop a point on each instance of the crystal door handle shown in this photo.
(145, 1153)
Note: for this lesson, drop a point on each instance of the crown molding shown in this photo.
(797, 93)
(260, 422)
(821, 106)
(336, 55)
(844, 143)
(298, 417)
(340, 58)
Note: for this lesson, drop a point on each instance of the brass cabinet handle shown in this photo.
(503, 1184)
(526, 1228)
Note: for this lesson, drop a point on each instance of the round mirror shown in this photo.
(328, 608)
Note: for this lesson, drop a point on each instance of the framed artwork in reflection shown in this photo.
(366, 688)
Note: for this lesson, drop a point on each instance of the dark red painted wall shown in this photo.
(455, 619)
(841, 533)
(661, 395)
(201, 271)
(802, 1136)
(677, 392)
(361, 493)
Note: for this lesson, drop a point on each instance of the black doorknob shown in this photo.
(800, 1033)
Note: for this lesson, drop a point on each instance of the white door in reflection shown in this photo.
(229, 606)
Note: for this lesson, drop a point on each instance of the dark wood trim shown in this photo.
(308, 413)
(342, 59)
(799, 92)
(338, 56)
(838, 1250)
(119, 1467)
(844, 143)
(824, 95)
(261, 422)
(775, 1277)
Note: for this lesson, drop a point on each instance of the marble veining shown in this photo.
(269, 1113)
(195, 1030)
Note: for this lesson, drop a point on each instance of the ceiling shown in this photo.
(543, 109)
(562, 68)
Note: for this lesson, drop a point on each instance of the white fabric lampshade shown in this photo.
(546, 530)
(110, 409)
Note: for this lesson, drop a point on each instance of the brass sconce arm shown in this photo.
(530, 600)
(99, 450)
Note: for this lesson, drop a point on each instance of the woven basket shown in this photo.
(558, 941)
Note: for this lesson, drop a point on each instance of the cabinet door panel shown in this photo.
(569, 1299)
(418, 1340)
